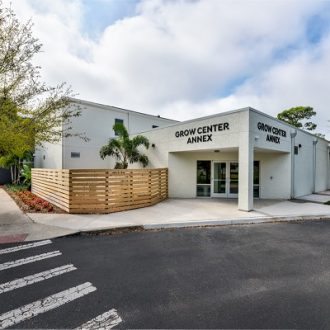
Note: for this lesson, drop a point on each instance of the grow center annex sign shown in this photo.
(201, 133)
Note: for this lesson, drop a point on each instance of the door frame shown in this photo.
(227, 194)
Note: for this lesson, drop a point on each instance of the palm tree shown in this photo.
(124, 149)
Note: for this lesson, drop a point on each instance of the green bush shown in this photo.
(17, 187)
(327, 203)
(26, 174)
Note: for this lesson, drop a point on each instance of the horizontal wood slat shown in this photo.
(100, 191)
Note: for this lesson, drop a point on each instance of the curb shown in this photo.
(191, 224)
(246, 221)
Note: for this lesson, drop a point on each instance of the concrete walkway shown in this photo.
(15, 226)
(321, 198)
(187, 212)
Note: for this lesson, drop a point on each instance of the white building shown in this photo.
(243, 153)
(96, 121)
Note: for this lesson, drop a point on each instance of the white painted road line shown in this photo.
(25, 246)
(105, 321)
(28, 280)
(19, 262)
(28, 311)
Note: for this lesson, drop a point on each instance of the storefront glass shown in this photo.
(203, 178)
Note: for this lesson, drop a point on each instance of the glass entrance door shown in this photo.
(219, 179)
(233, 180)
(225, 181)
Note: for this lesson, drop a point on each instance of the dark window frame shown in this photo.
(75, 154)
(118, 121)
(202, 184)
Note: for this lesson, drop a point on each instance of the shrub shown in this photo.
(17, 187)
(34, 202)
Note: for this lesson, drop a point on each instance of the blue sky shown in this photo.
(184, 58)
(99, 14)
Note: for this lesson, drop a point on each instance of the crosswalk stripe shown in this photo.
(25, 246)
(107, 320)
(28, 280)
(28, 311)
(19, 262)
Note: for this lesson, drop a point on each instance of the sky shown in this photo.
(185, 59)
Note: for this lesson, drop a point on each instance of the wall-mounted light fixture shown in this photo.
(256, 138)
(299, 145)
(153, 145)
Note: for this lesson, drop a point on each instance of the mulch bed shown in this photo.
(31, 203)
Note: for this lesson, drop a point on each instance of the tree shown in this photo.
(16, 139)
(124, 149)
(297, 117)
(31, 112)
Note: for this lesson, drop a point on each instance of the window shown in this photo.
(203, 178)
(233, 178)
(155, 126)
(75, 154)
(119, 121)
(296, 150)
(256, 179)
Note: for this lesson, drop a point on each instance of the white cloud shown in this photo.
(178, 58)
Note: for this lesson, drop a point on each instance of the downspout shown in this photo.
(293, 135)
(314, 165)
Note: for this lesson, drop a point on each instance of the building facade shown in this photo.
(96, 122)
(242, 154)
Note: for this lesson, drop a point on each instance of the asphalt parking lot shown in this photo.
(255, 276)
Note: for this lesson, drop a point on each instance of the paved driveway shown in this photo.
(266, 276)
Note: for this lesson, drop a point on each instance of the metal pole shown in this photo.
(314, 165)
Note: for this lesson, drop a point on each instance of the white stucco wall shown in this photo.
(242, 135)
(303, 167)
(272, 144)
(183, 170)
(165, 139)
(96, 121)
(268, 137)
(322, 165)
(48, 156)
(275, 174)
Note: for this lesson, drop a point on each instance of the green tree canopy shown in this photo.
(299, 117)
(48, 108)
(30, 111)
(124, 149)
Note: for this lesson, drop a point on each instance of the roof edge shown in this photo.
(107, 107)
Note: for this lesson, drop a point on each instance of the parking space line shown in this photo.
(28, 311)
(25, 246)
(107, 320)
(19, 262)
(28, 280)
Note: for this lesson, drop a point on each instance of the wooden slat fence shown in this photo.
(100, 191)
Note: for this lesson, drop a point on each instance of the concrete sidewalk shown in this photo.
(172, 213)
(175, 213)
(320, 198)
(15, 226)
